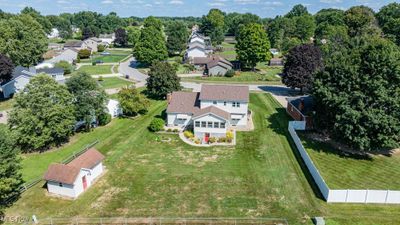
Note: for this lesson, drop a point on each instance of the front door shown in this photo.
(84, 182)
(206, 137)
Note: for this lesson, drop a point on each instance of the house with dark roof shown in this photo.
(212, 112)
(72, 179)
(213, 65)
(22, 75)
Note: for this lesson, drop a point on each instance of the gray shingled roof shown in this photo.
(224, 92)
(213, 110)
(184, 102)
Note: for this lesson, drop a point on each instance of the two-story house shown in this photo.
(211, 112)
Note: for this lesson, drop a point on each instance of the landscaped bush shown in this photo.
(156, 125)
(104, 119)
(229, 136)
(169, 130)
(94, 63)
(230, 73)
(101, 48)
(100, 78)
(212, 140)
(84, 53)
(222, 140)
(197, 141)
(188, 134)
(65, 65)
(175, 130)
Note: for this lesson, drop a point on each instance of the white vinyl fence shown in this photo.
(339, 196)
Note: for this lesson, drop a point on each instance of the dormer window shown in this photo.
(214, 102)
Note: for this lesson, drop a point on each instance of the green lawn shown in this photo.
(260, 177)
(114, 82)
(95, 70)
(265, 76)
(6, 104)
(341, 172)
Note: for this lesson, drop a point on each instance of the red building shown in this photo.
(301, 109)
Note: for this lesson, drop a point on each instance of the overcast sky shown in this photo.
(142, 8)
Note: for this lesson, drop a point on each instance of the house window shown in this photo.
(197, 124)
(203, 124)
(209, 124)
(222, 125)
(214, 102)
(216, 125)
(238, 104)
(60, 184)
(233, 104)
(224, 103)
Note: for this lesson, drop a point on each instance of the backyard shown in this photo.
(152, 175)
(94, 70)
(350, 172)
(114, 57)
(114, 82)
(6, 104)
(266, 75)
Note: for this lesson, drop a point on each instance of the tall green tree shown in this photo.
(233, 21)
(302, 62)
(297, 10)
(132, 101)
(178, 35)
(121, 38)
(133, 35)
(10, 175)
(389, 20)
(252, 45)
(42, 20)
(43, 115)
(358, 94)
(22, 39)
(152, 45)
(162, 80)
(361, 21)
(90, 99)
(213, 25)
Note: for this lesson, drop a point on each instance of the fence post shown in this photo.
(347, 195)
(387, 195)
(366, 196)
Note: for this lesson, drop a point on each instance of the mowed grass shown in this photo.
(114, 82)
(6, 104)
(146, 177)
(95, 70)
(268, 75)
(346, 172)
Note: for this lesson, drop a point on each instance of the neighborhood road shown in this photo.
(279, 92)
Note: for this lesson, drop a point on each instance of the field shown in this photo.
(115, 56)
(260, 177)
(114, 82)
(346, 172)
(268, 75)
(95, 70)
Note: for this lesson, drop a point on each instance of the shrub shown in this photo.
(175, 130)
(84, 53)
(64, 65)
(104, 119)
(222, 140)
(100, 78)
(188, 134)
(230, 73)
(197, 141)
(212, 140)
(94, 63)
(229, 136)
(156, 125)
(101, 48)
(169, 130)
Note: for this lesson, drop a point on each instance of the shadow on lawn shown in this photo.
(279, 122)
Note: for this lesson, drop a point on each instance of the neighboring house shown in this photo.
(54, 33)
(195, 51)
(78, 45)
(276, 62)
(274, 51)
(93, 43)
(197, 37)
(70, 55)
(211, 112)
(107, 38)
(302, 109)
(212, 66)
(55, 46)
(198, 46)
(72, 179)
(22, 75)
(114, 108)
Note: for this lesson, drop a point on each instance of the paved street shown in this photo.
(280, 93)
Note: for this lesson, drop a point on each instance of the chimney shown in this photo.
(169, 98)
(301, 105)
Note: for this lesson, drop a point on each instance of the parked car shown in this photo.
(99, 61)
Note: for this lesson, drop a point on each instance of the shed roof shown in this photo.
(67, 173)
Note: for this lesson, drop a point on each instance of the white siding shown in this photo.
(66, 189)
(95, 172)
(228, 107)
(196, 39)
(172, 120)
(191, 53)
(217, 71)
(199, 132)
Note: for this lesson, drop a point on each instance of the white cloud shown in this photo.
(176, 2)
(331, 1)
(107, 2)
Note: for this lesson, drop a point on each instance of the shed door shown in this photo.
(84, 182)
